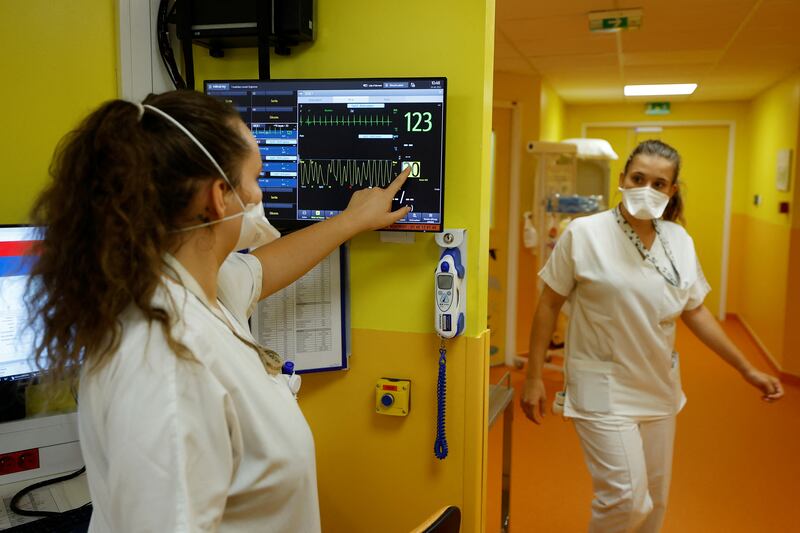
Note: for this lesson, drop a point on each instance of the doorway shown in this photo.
(498, 234)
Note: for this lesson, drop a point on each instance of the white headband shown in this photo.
(140, 107)
(194, 140)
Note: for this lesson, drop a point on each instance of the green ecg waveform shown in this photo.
(352, 172)
(346, 120)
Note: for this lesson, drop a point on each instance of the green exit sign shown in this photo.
(606, 21)
(657, 108)
(615, 23)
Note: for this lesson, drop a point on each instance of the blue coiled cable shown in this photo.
(440, 446)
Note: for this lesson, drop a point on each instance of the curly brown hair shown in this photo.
(120, 183)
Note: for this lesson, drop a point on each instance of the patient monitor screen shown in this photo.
(321, 140)
(16, 339)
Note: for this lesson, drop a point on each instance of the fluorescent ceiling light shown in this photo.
(660, 90)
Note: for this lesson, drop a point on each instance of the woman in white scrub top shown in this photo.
(186, 423)
(628, 274)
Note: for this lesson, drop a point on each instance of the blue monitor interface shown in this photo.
(17, 256)
(322, 140)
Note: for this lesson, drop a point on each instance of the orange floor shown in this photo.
(736, 465)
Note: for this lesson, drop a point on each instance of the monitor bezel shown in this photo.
(33, 375)
(12, 388)
(288, 226)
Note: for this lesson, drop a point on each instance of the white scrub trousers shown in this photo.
(630, 461)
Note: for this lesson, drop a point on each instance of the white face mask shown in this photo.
(644, 203)
(256, 230)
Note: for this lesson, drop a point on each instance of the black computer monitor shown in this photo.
(321, 140)
(16, 338)
(50, 436)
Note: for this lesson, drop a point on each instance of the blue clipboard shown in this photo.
(310, 341)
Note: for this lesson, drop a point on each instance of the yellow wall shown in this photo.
(764, 283)
(462, 39)
(767, 279)
(375, 470)
(543, 115)
(375, 473)
(792, 339)
(791, 361)
(738, 112)
(378, 473)
(552, 117)
(525, 90)
(499, 251)
(58, 62)
(774, 123)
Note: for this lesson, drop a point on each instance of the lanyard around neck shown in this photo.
(672, 275)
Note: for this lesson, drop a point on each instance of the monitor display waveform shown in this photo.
(346, 120)
(320, 141)
(347, 172)
(261, 131)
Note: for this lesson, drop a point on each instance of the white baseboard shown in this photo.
(758, 341)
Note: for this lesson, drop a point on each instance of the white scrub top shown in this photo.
(215, 444)
(622, 313)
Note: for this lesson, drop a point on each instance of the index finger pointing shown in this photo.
(398, 182)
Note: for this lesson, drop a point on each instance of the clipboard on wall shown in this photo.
(308, 322)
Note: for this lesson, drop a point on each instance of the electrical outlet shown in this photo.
(13, 462)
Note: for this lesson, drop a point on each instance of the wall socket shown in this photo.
(757, 199)
(13, 462)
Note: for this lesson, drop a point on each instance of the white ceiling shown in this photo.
(733, 49)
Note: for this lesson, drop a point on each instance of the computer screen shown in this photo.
(16, 338)
(321, 140)
(51, 439)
